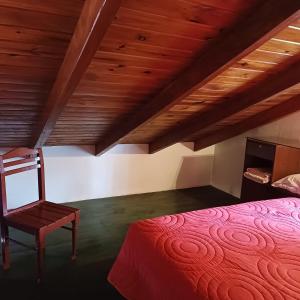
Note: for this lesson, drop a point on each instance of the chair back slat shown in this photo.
(20, 152)
(22, 169)
(17, 161)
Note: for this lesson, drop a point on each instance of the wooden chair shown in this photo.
(37, 218)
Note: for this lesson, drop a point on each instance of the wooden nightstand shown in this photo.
(280, 156)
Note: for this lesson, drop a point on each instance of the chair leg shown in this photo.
(5, 246)
(75, 224)
(40, 243)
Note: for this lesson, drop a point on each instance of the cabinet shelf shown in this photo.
(281, 159)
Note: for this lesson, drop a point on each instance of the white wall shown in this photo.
(229, 155)
(74, 173)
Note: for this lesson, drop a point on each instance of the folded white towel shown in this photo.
(260, 175)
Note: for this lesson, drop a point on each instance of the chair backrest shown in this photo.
(17, 161)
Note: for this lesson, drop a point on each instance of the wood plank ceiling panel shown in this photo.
(278, 99)
(267, 19)
(95, 18)
(146, 46)
(271, 114)
(243, 74)
(33, 39)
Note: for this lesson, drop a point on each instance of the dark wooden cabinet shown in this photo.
(282, 157)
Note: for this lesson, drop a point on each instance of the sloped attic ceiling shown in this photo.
(145, 71)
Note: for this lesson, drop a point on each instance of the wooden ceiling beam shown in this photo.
(267, 20)
(283, 77)
(290, 106)
(94, 20)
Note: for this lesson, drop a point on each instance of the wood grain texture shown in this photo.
(94, 20)
(243, 74)
(131, 91)
(286, 77)
(33, 42)
(287, 162)
(142, 51)
(251, 32)
(37, 218)
(264, 117)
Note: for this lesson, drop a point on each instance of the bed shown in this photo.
(244, 251)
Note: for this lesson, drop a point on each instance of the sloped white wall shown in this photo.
(74, 173)
(229, 155)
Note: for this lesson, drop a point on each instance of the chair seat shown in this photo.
(46, 215)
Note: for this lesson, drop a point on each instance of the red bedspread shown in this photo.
(245, 251)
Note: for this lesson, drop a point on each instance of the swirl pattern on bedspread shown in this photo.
(244, 251)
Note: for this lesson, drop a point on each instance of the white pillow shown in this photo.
(290, 183)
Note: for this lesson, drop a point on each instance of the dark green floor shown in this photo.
(104, 223)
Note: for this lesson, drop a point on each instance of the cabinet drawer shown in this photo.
(261, 150)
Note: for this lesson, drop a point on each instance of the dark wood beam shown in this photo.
(95, 18)
(290, 106)
(283, 77)
(267, 20)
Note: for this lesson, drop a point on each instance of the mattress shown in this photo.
(244, 251)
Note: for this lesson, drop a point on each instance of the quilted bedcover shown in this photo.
(244, 251)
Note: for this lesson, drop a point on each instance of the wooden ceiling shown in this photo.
(77, 72)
